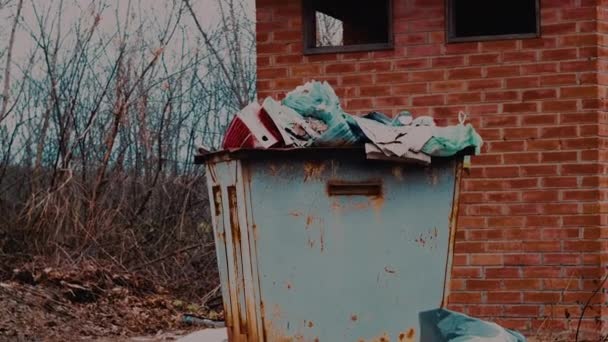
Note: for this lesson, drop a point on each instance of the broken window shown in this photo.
(476, 20)
(346, 26)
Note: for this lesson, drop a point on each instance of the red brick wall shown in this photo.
(530, 239)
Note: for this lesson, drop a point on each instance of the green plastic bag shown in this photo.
(448, 141)
(318, 100)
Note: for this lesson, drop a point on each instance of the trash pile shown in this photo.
(311, 116)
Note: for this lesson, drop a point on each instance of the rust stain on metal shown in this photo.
(429, 238)
(309, 220)
(452, 233)
(274, 170)
(407, 336)
(354, 318)
(390, 270)
(235, 229)
(295, 213)
(382, 338)
(398, 173)
(217, 200)
(212, 172)
(322, 238)
(378, 203)
(255, 231)
(313, 170)
(432, 177)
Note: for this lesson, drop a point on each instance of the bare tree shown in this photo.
(98, 137)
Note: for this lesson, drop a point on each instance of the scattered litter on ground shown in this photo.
(443, 325)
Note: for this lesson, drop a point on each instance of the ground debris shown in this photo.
(88, 302)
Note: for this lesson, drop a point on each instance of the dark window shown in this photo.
(347, 25)
(475, 20)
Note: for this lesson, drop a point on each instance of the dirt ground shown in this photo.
(87, 303)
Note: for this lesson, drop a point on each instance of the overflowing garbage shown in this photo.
(311, 116)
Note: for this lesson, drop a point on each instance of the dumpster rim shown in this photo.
(357, 152)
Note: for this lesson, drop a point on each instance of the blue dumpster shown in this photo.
(322, 244)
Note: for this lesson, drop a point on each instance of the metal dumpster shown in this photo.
(321, 244)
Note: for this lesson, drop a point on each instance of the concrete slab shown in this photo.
(207, 335)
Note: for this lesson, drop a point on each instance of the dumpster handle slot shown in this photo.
(347, 188)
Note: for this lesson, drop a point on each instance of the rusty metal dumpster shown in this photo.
(321, 244)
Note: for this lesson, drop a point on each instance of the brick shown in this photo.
(271, 73)
(409, 89)
(486, 259)
(501, 96)
(469, 247)
(560, 54)
(448, 61)
(540, 196)
(522, 311)
(524, 133)
(503, 297)
(559, 106)
(544, 68)
(425, 76)
(484, 84)
(519, 56)
(543, 145)
(464, 98)
(522, 259)
(448, 86)
(465, 297)
(584, 91)
(553, 157)
(503, 71)
(542, 221)
(374, 91)
(523, 82)
(561, 259)
(499, 45)
(521, 158)
(340, 68)
(485, 310)
(560, 233)
(466, 272)
(409, 64)
(477, 284)
(507, 221)
(375, 66)
(392, 78)
(542, 271)
(520, 107)
(305, 70)
(539, 170)
(522, 234)
(485, 234)
(522, 284)
(503, 272)
(428, 100)
(542, 297)
(464, 74)
(561, 79)
(539, 94)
